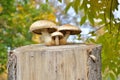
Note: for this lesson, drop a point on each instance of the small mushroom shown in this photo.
(67, 30)
(93, 57)
(44, 27)
(57, 36)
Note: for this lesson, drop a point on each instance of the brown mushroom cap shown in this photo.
(59, 34)
(67, 27)
(39, 25)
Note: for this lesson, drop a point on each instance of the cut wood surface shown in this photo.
(65, 62)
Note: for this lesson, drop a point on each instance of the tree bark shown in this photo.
(65, 62)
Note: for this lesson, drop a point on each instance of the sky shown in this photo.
(117, 12)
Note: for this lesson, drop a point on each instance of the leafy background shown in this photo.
(17, 15)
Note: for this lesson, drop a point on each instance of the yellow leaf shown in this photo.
(12, 14)
(19, 8)
(1, 9)
(36, 38)
(3, 76)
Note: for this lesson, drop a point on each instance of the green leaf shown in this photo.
(90, 18)
(68, 6)
(83, 5)
(76, 5)
(92, 40)
(60, 0)
(92, 33)
(79, 37)
(115, 4)
(46, 0)
(83, 20)
(112, 76)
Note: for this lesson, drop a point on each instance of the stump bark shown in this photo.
(65, 62)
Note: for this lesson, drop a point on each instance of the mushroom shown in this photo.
(44, 27)
(93, 57)
(57, 36)
(67, 30)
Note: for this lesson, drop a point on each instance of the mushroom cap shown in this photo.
(68, 27)
(59, 34)
(39, 25)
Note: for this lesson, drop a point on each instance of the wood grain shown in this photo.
(66, 62)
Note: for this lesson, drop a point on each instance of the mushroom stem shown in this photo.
(46, 36)
(57, 40)
(64, 40)
(67, 35)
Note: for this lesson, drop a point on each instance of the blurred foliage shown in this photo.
(15, 20)
(102, 10)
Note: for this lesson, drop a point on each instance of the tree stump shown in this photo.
(64, 62)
